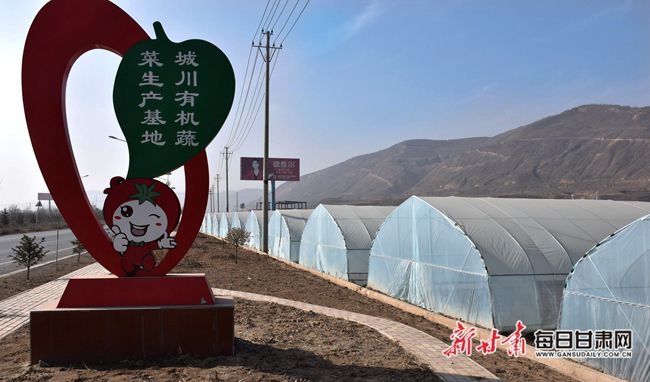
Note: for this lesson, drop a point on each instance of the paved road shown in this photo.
(9, 241)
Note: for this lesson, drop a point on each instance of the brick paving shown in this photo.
(425, 347)
(14, 313)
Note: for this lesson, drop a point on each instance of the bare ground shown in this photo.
(273, 343)
(270, 334)
(262, 274)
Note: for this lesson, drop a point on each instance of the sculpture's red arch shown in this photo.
(61, 32)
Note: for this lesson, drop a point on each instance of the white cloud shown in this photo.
(372, 10)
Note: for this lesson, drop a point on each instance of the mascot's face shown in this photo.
(140, 221)
(142, 209)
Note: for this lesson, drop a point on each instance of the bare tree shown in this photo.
(237, 237)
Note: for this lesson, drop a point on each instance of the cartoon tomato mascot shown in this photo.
(142, 213)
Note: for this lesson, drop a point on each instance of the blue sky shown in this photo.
(356, 76)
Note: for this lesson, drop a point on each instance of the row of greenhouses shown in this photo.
(553, 264)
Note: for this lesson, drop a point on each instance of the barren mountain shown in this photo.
(588, 151)
(384, 174)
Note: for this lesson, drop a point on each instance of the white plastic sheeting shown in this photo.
(238, 219)
(216, 221)
(204, 223)
(490, 261)
(210, 224)
(230, 220)
(610, 289)
(337, 239)
(421, 256)
(254, 225)
(285, 231)
(225, 221)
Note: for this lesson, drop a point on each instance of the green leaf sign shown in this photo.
(171, 100)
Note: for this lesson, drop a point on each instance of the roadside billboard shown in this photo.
(281, 169)
(44, 196)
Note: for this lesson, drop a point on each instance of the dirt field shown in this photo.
(261, 274)
(274, 343)
(275, 336)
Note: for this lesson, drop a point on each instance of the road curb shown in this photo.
(17, 271)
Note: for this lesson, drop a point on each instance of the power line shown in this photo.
(262, 19)
(280, 14)
(254, 99)
(248, 126)
(244, 111)
(294, 23)
(247, 109)
(238, 118)
(287, 20)
(232, 126)
(257, 30)
(227, 153)
(267, 60)
(230, 137)
(273, 7)
(217, 178)
(257, 112)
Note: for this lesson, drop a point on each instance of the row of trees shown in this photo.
(18, 220)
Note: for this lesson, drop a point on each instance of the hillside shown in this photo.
(385, 174)
(590, 149)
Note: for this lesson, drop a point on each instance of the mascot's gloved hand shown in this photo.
(167, 242)
(120, 241)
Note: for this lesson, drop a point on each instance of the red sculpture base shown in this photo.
(110, 291)
(81, 327)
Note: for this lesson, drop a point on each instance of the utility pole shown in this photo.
(267, 58)
(227, 154)
(211, 199)
(218, 195)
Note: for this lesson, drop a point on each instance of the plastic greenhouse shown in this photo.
(285, 232)
(254, 225)
(216, 223)
(212, 228)
(610, 289)
(239, 219)
(490, 261)
(337, 240)
(225, 220)
(204, 224)
(230, 220)
(210, 223)
(207, 223)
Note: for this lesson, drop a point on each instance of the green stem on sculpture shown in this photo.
(159, 31)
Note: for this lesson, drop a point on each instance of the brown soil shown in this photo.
(274, 343)
(264, 275)
(14, 284)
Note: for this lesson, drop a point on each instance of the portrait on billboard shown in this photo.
(252, 168)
